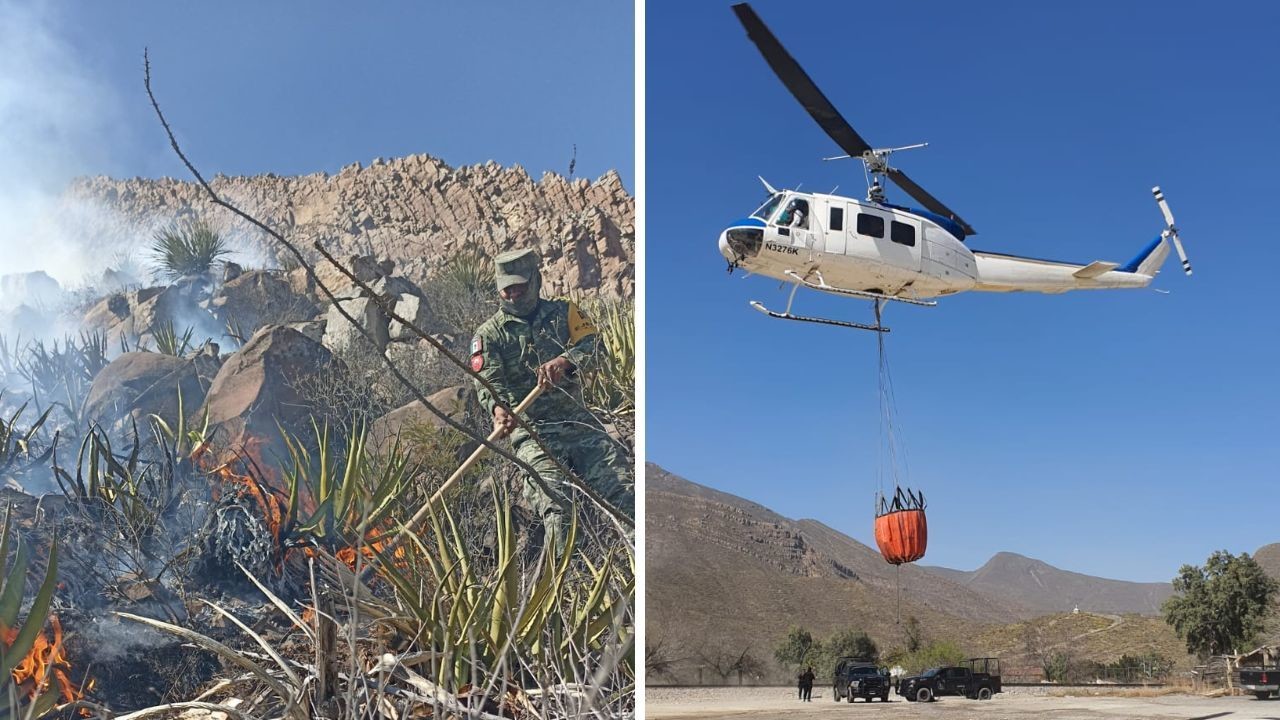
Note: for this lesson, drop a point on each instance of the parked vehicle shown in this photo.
(976, 679)
(856, 678)
(1263, 682)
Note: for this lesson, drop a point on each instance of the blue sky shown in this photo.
(1118, 433)
(299, 87)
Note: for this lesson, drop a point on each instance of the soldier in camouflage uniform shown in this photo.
(531, 340)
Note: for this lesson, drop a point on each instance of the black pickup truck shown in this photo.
(1263, 682)
(856, 678)
(976, 679)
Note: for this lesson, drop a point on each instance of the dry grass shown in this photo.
(1178, 688)
(1090, 637)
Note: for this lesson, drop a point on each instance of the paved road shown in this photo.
(1013, 704)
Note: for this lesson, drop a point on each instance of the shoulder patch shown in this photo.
(579, 325)
(477, 345)
(477, 353)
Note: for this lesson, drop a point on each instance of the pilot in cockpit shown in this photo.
(796, 215)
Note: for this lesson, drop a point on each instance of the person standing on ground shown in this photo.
(806, 684)
(531, 341)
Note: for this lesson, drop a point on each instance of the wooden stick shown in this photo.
(421, 515)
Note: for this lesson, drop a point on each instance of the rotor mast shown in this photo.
(875, 161)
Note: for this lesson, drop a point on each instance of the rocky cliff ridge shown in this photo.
(416, 210)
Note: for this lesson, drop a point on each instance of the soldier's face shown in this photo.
(514, 292)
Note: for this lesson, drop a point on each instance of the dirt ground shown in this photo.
(1013, 704)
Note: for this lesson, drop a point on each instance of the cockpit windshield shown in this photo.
(768, 208)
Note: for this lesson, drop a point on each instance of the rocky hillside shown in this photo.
(727, 575)
(1268, 556)
(416, 211)
(1044, 588)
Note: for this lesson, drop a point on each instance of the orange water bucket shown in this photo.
(902, 535)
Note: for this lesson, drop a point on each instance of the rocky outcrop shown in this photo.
(406, 424)
(139, 384)
(257, 388)
(416, 211)
(137, 315)
(255, 298)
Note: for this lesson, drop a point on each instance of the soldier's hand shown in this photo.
(503, 422)
(553, 371)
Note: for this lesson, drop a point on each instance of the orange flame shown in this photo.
(44, 662)
(251, 476)
(374, 542)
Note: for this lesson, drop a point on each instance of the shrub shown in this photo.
(188, 249)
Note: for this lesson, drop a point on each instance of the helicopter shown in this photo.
(871, 249)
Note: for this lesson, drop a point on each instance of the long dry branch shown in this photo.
(311, 273)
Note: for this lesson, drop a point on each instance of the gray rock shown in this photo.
(342, 337)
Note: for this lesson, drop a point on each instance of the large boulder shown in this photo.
(139, 384)
(413, 424)
(255, 298)
(259, 386)
(136, 316)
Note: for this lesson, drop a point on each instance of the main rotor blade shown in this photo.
(799, 83)
(931, 203)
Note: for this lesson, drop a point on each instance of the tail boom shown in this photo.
(1010, 273)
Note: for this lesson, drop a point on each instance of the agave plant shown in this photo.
(493, 621)
(339, 499)
(17, 445)
(16, 646)
(134, 494)
(191, 248)
(610, 386)
(61, 375)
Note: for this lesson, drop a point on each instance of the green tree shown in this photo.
(796, 649)
(938, 654)
(1219, 607)
(853, 643)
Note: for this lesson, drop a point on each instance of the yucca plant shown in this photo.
(190, 248)
(462, 293)
(169, 342)
(15, 646)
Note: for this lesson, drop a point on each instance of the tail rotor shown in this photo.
(1171, 230)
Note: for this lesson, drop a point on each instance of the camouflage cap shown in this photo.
(515, 267)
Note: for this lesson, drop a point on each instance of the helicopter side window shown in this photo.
(870, 225)
(902, 233)
(837, 219)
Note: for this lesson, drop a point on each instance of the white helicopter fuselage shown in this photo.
(839, 243)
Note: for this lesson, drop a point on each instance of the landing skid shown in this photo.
(824, 287)
(820, 321)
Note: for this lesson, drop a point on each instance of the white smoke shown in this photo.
(57, 121)
(60, 119)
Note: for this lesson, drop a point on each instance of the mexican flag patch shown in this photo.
(477, 354)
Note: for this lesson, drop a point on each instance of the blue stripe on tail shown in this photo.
(1132, 265)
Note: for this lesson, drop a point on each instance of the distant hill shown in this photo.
(726, 576)
(1268, 556)
(1045, 589)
